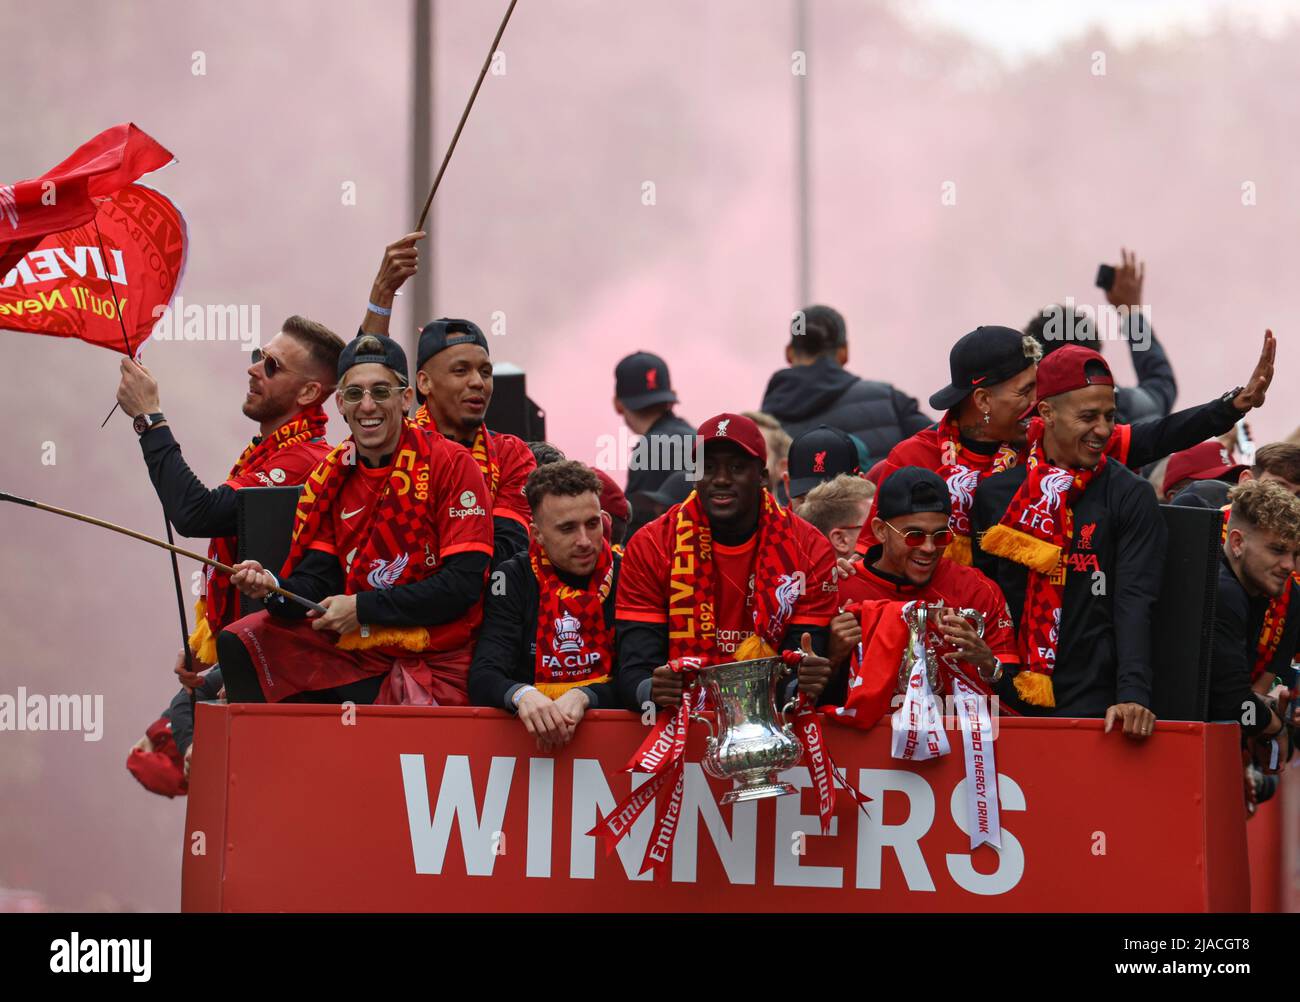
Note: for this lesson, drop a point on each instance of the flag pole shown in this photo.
(306, 603)
(464, 116)
(176, 569)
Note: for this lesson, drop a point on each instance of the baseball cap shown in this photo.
(612, 498)
(162, 770)
(1206, 461)
(818, 455)
(912, 489)
(1066, 369)
(447, 332)
(734, 428)
(366, 348)
(641, 380)
(984, 357)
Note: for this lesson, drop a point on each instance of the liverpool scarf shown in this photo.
(482, 449)
(393, 530)
(962, 470)
(575, 646)
(213, 612)
(1035, 530)
(1270, 632)
(692, 579)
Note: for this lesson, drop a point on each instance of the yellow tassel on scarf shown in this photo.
(959, 550)
(554, 690)
(203, 645)
(1035, 688)
(1036, 554)
(413, 638)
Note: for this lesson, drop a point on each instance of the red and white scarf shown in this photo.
(575, 646)
(1035, 531)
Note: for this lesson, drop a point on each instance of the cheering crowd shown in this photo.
(454, 565)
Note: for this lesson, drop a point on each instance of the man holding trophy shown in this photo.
(911, 534)
(726, 565)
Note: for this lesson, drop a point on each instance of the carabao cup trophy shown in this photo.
(753, 742)
(923, 620)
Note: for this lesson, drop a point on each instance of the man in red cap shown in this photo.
(613, 504)
(1076, 542)
(1214, 473)
(1207, 461)
(987, 404)
(725, 565)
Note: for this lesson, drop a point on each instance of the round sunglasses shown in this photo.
(270, 364)
(915, 537)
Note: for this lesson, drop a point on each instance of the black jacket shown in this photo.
(1238, 620)
(193, 509)
(1150, 441)
(803, 396)
(1156, 391)
(666, 448)
(1103, 655)
(506, 652)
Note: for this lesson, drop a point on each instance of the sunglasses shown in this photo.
(915, 537)
(378, 393)
(270, 364)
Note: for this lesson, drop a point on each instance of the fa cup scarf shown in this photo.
(213, 611)
(1035, 530)
(1270, 632)
(394, 529)
(481, 449)
(962, 470)
(692, 580)
(575, 647)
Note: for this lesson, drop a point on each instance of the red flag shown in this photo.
(64, 285)
(873, 668)
(64, 196)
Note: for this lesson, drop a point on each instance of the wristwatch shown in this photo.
(144, 422)
(995, 676)
(1231, 396)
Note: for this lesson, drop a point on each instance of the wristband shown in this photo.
(520, 694)
(379, 310)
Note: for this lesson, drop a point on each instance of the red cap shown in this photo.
(162, 770)
(735, 428)
(1063, 370)
(1207, 461)
(612, 498)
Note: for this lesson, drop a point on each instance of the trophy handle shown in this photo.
(713, 734)
(785, 711)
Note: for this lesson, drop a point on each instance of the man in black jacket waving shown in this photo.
(546, 650)
(816, 388)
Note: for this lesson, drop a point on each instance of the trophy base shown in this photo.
(757, 791)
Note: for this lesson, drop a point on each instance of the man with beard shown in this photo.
(983, 431)
(1254, 638)
(392, 538)
(909, 535)
(288, 382)
(546, 650)
(1076, 543)
(453, 384)
(727, 564)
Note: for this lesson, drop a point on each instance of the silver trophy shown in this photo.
(753, 742)
(923, 621)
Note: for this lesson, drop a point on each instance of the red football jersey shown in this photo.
(643, 581)
(458, 522)
(516, 461)
(285, 467)
(955, 585)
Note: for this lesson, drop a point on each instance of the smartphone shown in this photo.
(1105, 277)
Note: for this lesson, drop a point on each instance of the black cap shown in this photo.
(820, 455)
(641, 380)
(912, 489)
(984, 357)
(674, 490)
(366, 348)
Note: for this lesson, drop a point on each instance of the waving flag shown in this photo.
(57, 278)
